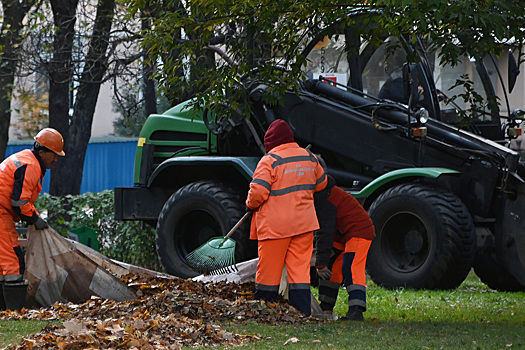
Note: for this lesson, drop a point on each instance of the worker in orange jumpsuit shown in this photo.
(342, 245)
(21, 176)
(281, 196)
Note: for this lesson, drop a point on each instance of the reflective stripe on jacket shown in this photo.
(21, 178)
(282, 191)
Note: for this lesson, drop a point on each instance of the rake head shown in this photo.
(215, 257)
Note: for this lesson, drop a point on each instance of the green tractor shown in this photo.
(443, 200)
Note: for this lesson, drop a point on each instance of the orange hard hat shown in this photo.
(51, 139)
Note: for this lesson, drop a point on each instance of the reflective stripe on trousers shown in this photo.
(349, 269)
(328, 291)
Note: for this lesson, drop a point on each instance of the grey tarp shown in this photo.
(58, 271)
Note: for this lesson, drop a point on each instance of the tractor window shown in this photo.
(448, 80)
(385, 71)
(383, 74)
(450, 85)
(378, 72)
(471, 110)
(328, 58)
(381, 69)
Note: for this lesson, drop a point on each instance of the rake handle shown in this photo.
(236, 226)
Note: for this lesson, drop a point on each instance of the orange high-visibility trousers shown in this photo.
(355, 273)
(11, 259)
(295, 252)
(348, 268)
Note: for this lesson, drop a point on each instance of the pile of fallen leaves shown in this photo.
(167, 314)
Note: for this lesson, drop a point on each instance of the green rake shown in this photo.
(217, 256)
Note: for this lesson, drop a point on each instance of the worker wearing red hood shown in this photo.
(284, 219)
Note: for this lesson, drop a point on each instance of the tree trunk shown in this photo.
(148, 84)
(67, 175)
(61, 76)
(6, 82)
(173, 94)
(13, 13)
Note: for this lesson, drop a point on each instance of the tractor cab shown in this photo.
(464, 95)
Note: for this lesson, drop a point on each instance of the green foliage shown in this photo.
(33, 113)
(267, 33)
(252, 34)
(124, 241)
(132, 114)
(460, 27)
(473, 99)
(132, 111)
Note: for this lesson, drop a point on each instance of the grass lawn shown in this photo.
(11, 332)
(471, 317)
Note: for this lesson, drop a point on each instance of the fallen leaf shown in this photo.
(74, 326)
(292, 340)
(171, 313)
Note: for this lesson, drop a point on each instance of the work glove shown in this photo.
(324, 273)
(41, 224)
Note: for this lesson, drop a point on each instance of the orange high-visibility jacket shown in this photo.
(21, 178)
(282, 191)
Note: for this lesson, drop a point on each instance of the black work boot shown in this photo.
(355, 313)
(2, 301)
(15, 295)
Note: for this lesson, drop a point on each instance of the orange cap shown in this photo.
(50, 138)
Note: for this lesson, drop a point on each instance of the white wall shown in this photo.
(104, 115)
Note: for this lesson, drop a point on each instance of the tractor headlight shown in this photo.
(422, 115)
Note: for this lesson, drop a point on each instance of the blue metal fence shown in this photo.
(108, 164)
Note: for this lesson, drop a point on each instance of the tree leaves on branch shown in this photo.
(265, 34)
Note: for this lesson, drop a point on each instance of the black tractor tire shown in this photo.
(425, 239)
(494, 275)
(194, 214)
